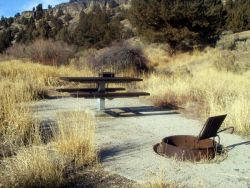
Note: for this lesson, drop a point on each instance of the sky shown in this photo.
(11, 7)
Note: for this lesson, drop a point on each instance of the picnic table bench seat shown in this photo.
(101, 79)
(90, 90)
(109, 95)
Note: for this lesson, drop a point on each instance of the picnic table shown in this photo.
(101, 91)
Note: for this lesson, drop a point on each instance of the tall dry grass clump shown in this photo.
(22, 82)
(159, 183)
(32, 167)
(15, 122)
(41, 165)
(193, 81)
(26, 161)
(75, 137)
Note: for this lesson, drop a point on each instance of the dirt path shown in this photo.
(125, 138)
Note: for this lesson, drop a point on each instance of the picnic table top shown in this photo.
(101, 79)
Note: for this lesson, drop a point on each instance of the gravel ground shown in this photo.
(126, 133)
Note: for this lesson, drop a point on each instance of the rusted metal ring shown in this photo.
(186, 147)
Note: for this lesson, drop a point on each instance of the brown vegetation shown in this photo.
(47, 52)
(36, 164)
(205, 83)
(121, 58)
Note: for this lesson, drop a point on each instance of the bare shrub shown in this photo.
(47, 52)
(119, 58)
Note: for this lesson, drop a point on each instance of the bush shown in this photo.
(47, 52)
(119, 58)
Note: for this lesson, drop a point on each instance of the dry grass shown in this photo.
(193, 80)
(32, 167)
(43, 165)
(47, 52)
(22, 82)
(159, 183)
(34, 163)
(75, 137)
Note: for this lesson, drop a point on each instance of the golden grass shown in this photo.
(46, 165)
(32, 167)
(22, 82)
(159, 183)
(75, 137)
(194, 80)
(35, 164)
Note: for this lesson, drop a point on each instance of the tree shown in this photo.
(96, 29)
(44, 29)
(4, 22)
(17, 15)
(5, 39)
(180, 23)
(39, 12)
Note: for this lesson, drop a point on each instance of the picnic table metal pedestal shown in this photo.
(101, 104)
(101, 91)
(101, 101)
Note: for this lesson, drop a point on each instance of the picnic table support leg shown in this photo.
(101, 104)
(101, 101)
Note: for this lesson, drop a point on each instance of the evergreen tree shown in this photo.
(96, 29)
(39, 12)
(44, 29)
(5, 39)
(178, 22)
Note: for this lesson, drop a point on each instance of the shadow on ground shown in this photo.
(139, 111)
(230, 147)
(47, 130)
(109, 153)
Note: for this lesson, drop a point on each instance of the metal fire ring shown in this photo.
(185, 147)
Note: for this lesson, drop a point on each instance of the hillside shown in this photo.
(57, 23)
(98, 23)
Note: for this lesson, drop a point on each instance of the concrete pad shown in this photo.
(126, 134)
